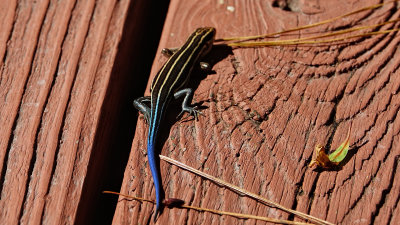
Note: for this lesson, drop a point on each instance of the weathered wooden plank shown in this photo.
(267, 108)
(63, 101)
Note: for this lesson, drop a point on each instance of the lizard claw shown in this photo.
(192, 111)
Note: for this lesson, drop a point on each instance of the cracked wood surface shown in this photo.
(60, 105)
(52, 87)
(266, 109)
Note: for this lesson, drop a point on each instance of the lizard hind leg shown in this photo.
(140, 104)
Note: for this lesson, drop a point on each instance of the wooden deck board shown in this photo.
(69, 71)
(267, 108)
(66, 104)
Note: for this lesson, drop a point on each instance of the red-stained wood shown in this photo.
(266, 109)
(66, 89)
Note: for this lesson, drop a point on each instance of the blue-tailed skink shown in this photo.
(167, 84)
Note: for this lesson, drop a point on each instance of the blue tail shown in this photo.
(156, 175)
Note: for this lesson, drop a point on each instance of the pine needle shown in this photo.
(238, 215)
(246, 38)
(242, 191)
(298, 41)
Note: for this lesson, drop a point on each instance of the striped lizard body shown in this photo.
(172, 76)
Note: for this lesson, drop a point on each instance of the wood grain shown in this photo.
(266, 109)
(64, 100)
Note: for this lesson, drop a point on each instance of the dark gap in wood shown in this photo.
(130, 74)
(6, 156)
(282, 4)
